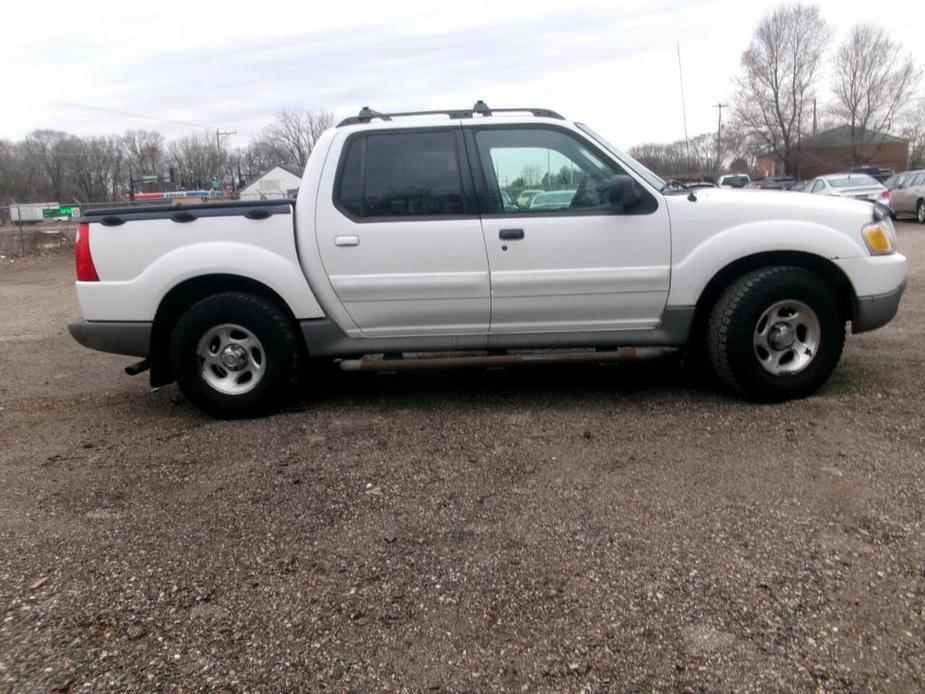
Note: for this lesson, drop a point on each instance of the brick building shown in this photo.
(830, 152)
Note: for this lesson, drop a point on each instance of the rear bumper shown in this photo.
(117, 337)
(872, 312)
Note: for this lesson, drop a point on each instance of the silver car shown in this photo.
(851, 185)
(908, 196)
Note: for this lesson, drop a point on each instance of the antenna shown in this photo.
(687, 143)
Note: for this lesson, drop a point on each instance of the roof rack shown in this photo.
(480, 108)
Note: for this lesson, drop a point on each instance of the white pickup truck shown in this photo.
(406, 238)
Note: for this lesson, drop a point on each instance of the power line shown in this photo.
(129, 114)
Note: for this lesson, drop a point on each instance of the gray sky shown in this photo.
(93, 67)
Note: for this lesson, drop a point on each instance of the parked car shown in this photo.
(733, 180)
(552, 200)
(507, 203)
(897, 180)
(399, 242)
(908, 196)
(777, 183)
(852, 185)
(875, 172)
(526, 196)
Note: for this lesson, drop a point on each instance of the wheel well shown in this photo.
(176, 302)
(823, 267)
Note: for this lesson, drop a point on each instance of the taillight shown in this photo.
(885, 195)
(86, 272)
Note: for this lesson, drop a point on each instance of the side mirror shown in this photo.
(622, 191)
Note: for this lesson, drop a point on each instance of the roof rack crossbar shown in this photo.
(480, 108)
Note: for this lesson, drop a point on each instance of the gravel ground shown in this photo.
(557, 528)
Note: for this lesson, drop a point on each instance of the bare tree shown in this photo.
(97, 170)
(292, 136)
(259, 157)
(913, 129)
(778, 79)
(49, 156)
(145, 152)
(532, 175)
(198, 160)
(676, 159)
(873, 81)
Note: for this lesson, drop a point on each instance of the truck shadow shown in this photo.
(539, 384)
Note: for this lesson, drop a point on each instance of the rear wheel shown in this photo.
(236, 355)
(920, 211)
(776, 334)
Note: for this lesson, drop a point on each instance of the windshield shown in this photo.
(853, 181)
(630, 163)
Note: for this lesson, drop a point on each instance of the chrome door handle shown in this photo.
(347, 240)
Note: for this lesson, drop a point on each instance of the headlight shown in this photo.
(880, 237)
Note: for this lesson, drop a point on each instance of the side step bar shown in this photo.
(503, 360)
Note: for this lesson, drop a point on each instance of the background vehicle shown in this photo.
(733, 181)
(523, 200)
(875, 172)
(400, 242)
(857, 186)
(908, 197)
(897, 180)
(553, 200)
(775, 183)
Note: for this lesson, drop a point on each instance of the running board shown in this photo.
(503, 360)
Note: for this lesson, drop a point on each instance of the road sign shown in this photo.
(54, 212)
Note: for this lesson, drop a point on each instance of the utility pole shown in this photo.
(719, 132)
(219, 134)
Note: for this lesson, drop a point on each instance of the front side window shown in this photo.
(538, 170)
(400, 175)
(817, 186)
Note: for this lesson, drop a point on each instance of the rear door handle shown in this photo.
(511, 234)
(352, 240)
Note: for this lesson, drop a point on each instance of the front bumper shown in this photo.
(872, 312)
(118, 337)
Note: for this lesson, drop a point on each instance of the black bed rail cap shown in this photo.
(367, 115)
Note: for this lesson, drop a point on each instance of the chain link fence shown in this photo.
(31, 229)
(38, 228)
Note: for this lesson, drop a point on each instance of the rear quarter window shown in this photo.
(385, 175)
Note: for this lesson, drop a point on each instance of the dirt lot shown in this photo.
(568, 529)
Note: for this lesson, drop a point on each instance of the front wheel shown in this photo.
(776, 334)
(920, 211)
(236, 355)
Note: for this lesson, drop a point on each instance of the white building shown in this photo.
(278, 182)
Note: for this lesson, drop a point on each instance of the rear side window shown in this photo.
(401, 175)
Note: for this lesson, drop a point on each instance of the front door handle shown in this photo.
(511, 234)
(352, 240)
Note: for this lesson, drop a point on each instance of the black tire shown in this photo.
(735, 318)
(920, 211)
(280, 354)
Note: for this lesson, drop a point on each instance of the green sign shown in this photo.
(53, 212)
